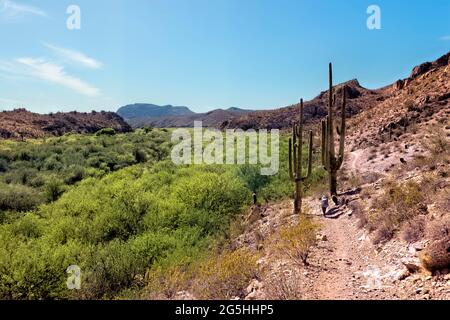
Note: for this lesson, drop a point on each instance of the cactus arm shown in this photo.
(294, 135)
(327, 146)
(330, 116)
(294, 151)
(323, 149)
(342, 130)
(291, 174)
(310, 155)
(300, 142)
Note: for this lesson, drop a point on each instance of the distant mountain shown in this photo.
(234, 109)
(21, 124)
(139, 115)
(315, 109)
(359, 99)
(145, 110)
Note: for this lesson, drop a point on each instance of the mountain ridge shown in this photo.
(359, 99)
(147, 114)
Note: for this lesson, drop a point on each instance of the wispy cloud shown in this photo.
(445, 38)
(10, 9)
(75, 56)
(54, 73)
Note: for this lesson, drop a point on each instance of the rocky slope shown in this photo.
(359, 98)
(426, 89)
(22, 124)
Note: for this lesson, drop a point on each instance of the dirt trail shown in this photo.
(345, 265)
(336, 282)
(349, 266)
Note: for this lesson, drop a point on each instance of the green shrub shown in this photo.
(3, 165)
(118, 225)
(76, 174)
(140, 156)
(54, 188)
(106, 132)
(251, 175)
(18, 198)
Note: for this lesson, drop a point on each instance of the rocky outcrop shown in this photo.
(399, 85)
(428, 66)
(421, 69)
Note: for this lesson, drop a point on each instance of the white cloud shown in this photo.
(75, 56)
(445, 38)
(10, 9)
(55, 73)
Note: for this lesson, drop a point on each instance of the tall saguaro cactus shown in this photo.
(330, 161)
(295, 160)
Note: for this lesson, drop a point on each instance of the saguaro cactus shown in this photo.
(330, 161)
(295, 160)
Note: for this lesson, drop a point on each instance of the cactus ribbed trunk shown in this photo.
(295, 160)
(330, 161)
(332, 171)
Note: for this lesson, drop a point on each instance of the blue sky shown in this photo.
(206, 54)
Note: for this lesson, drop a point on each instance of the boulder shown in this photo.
(411, 266)
(254, 285)
(437, 255)
(399, 85)
(421, 69)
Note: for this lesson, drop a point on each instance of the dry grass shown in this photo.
(399, 202)
(438, 229)
(296, 241)
(164, 283)
(284, 285)
(383, 233)
(413, 230)
(225, 276)
(437, 142)
(219, 277)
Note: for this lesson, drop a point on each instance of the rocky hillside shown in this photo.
(414, 91)
(359, 98)
(22, 124)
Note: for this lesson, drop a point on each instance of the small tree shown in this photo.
(53, 189)
(140, 156)
(106, 132)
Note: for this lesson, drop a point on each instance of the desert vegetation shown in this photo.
(135, 223)
(40, 171)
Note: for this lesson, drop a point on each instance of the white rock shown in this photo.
(254, 286)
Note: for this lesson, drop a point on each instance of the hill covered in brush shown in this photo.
(22, 124)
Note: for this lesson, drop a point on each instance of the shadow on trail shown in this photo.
(334, 213)
(351, 192)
